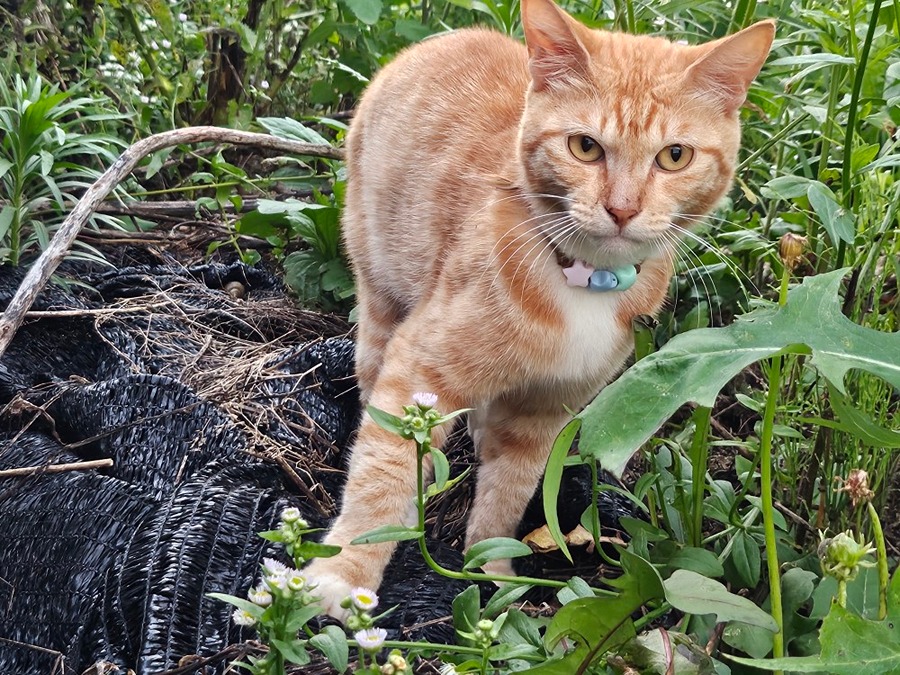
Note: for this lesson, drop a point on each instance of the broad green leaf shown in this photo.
(6, 218)
(497, 548)
(519, 628)
(388, 533)
(505, 652)
(835, 219)
(860, 424)
(366, 11)
(786, 187)
(285, 127)
(332, 642)
(553, 478)
(597, 625)
(313, 549)
(746, 558)
(695, 594)
(695, 365)
(851, 645)
(697, 560)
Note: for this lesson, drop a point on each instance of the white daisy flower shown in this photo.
(242, 617)
(364, 599)
(370, 638)
(425, 399)
(260, 596)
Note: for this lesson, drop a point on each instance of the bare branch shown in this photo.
(40, 272)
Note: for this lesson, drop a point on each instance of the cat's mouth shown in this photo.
(601, 250)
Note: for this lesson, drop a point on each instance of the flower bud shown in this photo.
(790, 249)
(857, 486)
(842, 556)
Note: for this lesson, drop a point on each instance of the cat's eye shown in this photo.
(674, 157)
(585, 149)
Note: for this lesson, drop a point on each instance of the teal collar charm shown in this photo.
(580, 274)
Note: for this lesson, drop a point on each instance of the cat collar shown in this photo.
(580, 274)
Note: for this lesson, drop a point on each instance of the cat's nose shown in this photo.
(621, 216)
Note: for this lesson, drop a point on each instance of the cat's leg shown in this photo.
(378, 317)
(513, 452)
(380, 490)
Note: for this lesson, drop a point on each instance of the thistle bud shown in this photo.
(790, 249)
(842, 556)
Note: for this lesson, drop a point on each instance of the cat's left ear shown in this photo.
(726, 67)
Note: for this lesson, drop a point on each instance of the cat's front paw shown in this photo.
(330, 589)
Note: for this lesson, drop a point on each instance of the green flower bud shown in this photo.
(353, 623)
(842, 556)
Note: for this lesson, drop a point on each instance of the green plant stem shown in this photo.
(853, 109)
(443, 571)
(595, 516)
(652, 615)
(842, 593)
(881, 550)
(699, 457)
(765, 468)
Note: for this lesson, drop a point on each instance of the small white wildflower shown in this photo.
(296, 581)
(182, 17)
(448, 669)
(145, 99)
(292, 515)
(425, 399)
(242, 617)
(264, 84)
(364, 599)
(260, 596)
(272, 567)
(277, 582)
(154, 46)
(370, 638)
(198, 73)
(166, 44)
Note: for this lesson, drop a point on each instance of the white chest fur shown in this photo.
(596, 344)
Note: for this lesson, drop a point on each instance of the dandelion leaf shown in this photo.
(695, 365)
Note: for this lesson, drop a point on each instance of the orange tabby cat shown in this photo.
(485, 179)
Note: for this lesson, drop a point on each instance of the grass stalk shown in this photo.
(699, 458)
(884, 577)
(852, 112)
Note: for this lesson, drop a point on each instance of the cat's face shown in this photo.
(636, 136)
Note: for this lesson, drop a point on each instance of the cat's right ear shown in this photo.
(555, 52)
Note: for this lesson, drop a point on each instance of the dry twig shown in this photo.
(56, 468)
(39, 273)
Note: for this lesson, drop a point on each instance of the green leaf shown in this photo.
(441, 469)
(851, 645)
(695, 365)
(747, 559)
(299, 617)
(366, 11)
(552, 480)
(785, 187)
(255, 610)
(292, 651)
(503, 597)
(695, 594)
(388, 533)
(858, 423)
(596, 624)
(6, 218)
(314, 549)
(697, 560)
(835, 219)
(285, 127)
(519, 628)
(496, 548)
(332, 642)
(505, 652)
(385, 420)
(466, 611)
(648, 653)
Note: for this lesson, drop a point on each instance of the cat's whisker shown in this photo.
(730, 264)
(697, 272)
(537, 227)
(538, 233)
(567, 228)
(568, 231)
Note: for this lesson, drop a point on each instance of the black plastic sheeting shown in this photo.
(114, 565)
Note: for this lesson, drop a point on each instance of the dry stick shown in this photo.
(46, 264)
(56, 468)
